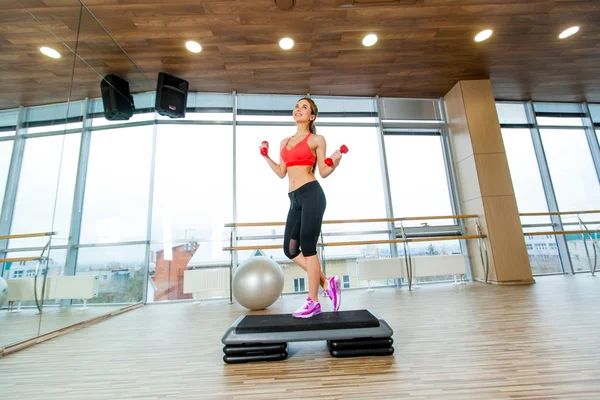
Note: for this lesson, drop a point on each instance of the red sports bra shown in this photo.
(300, 154)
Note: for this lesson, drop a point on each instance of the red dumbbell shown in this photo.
(264, 150)
(343, 150)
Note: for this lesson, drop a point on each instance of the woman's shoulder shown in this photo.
(316, 138)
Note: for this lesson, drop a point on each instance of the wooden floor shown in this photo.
(452, 342)
(24, 324)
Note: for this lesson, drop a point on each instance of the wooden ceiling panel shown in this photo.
(397, 13)
(503, 8)
(423, 49)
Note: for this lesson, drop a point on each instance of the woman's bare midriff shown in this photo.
(300, 175)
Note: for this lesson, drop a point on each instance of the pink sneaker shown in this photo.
(309, 309)
(334, 292)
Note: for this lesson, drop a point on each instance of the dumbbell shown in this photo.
(264, 150)
(343, 150)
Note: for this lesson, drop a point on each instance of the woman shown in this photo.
(299, 156)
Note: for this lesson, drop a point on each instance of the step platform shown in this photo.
(265, 337)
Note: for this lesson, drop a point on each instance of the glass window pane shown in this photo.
(27, 269)
(511, 113)
(193, 201)
(201, 116)
(530, 196)
(433, 248)
(266, 105)
(44, 199)
(425, 193)
(120, 272)
(262, 196)
(581, 248)
(559, 121)
(15, 327)
(354, 190)
(345, 105)
(58, 126)
(595, 112)
(8, 122)
(572, 170)
(115, 205)
(99, 120)
(542, 251)
(525, 173)
(564, 108)
(207, 107)
(5, 157)
(52, 118)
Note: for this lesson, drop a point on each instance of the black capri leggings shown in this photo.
(303, 225)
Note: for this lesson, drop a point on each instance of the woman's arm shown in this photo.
(321, 149)
(279, 169)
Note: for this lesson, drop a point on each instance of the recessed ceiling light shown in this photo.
(286, 43)
(568, 32)
(192, 46)
(483, 35)
(369, 40)
(50, 52)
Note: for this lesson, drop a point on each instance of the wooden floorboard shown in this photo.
(471, 341)
(21, 325)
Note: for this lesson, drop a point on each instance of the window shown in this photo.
(30, 273)
(193, 200)
(8, 122)
(558, 114)
(261, 195)
(120, 270)
(55, 117)
(48, 173)
(299, 285)
(572, 170)
(422, 194)
(5, 156)
(346, 281)
(115, 205)
(581, 251)
(530, 195)
(525, 173)
(18, 274)
(595, 114)
(511, 113)
(354, 190)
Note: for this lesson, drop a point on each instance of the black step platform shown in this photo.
(348, 334)
(361, 347)
(256, 352)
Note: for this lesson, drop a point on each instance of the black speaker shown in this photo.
(118, 102)
(171, 95)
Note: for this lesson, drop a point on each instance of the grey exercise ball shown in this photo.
(257, 282)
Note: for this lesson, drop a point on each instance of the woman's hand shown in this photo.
(264, 148)
(336, 157)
